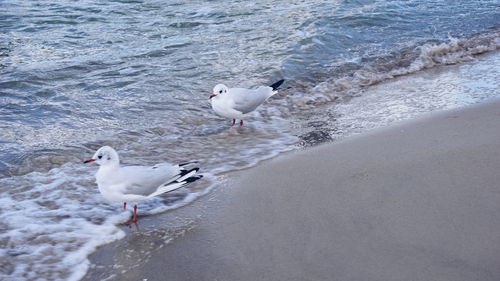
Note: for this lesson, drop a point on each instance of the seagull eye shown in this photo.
(100, 156)
(220, 92)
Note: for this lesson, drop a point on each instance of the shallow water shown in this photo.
(136, 75)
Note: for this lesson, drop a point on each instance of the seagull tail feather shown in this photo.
(276, 85)
(183, 178)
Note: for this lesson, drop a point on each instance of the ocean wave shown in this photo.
(348, 79)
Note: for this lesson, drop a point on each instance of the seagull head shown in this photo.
(105, 155)
(219, 90)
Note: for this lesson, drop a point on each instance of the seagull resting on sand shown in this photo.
(137, 183)
(236, 103)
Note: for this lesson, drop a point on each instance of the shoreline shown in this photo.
(79, 76)
(416, 199)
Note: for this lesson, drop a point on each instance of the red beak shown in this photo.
(212, 95)
(88, 161)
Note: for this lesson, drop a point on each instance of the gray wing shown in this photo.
(144, 181)
(246, 100)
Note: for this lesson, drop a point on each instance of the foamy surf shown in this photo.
(406, 61)
(51, 223)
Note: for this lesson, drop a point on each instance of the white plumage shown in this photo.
(237, 103)
(137, 183)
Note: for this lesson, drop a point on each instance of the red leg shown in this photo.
(134, 219)
(234, 121)
(241, 122)
(124, 205)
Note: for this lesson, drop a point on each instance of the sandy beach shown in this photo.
(416, 201)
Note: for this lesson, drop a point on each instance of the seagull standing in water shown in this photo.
(237, 103)
(137, 183)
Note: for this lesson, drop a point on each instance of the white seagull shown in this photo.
(137, 183)
(236, 103)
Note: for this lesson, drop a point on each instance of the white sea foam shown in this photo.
(422, 57)
(51, 223)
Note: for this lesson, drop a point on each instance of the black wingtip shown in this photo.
(192, 179)
(184, 172)
(188, 180)
(277, 84)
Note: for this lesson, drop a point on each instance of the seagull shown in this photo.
(137, 183)
(236, 103)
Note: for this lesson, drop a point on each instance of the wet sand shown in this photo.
(419, 200)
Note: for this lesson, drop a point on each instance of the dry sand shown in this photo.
(416, 201)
